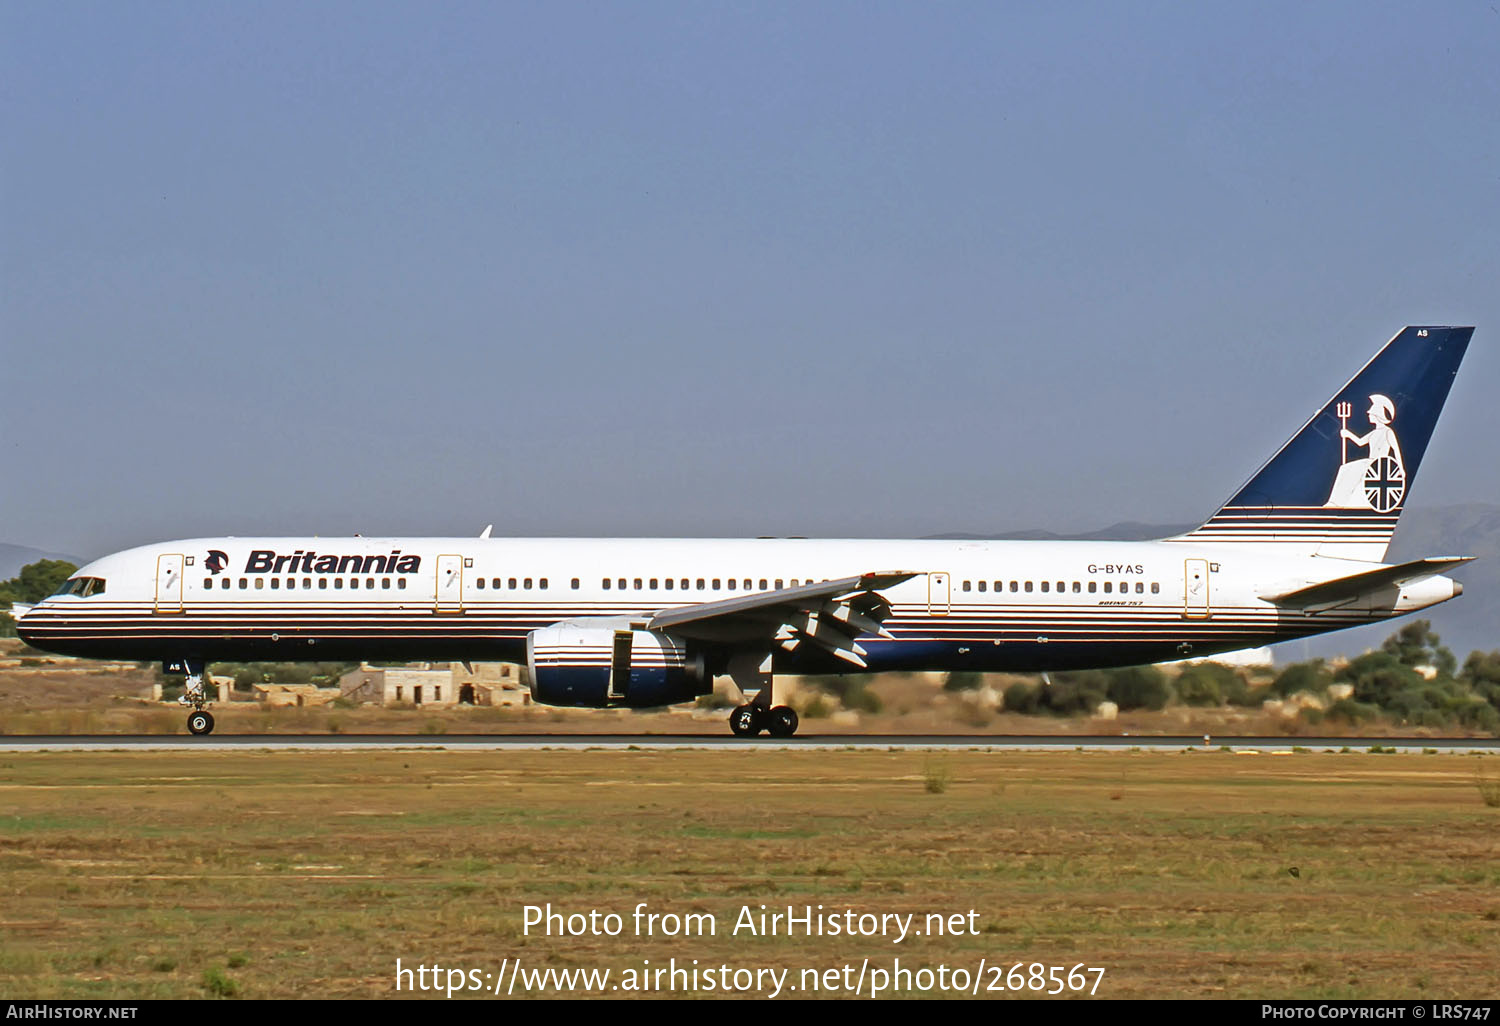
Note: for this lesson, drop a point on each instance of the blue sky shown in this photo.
(720, 269)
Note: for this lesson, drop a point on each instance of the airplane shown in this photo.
(1298, 550)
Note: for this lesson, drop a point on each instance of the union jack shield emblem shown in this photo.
(1385, 483)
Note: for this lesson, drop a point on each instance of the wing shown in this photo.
(1359, 584)
(826, 614)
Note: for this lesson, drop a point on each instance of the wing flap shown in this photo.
(1355, 585)
(826, 614)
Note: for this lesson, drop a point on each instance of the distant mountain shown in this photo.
(1469, 622)
(13, 557)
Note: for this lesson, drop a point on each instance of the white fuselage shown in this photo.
(973, 605)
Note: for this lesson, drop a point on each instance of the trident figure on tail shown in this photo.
(1378, 481)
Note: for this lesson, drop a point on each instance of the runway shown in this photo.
(726, 742)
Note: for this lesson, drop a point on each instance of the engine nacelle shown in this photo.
(598, 665)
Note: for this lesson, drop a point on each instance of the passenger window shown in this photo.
(1124, 587)
(526, 584)
(778, 584)
(684, 584)
(307, 582)
(244, 583)
(401, 582)
(606, 584)
(1155, 587)
(622, 583)
(1028, 585)
(716, 584)
(794, 582)
(385, 584)
(747, 584)
(208, 582)
(511, 583)
(653, 584)
(982, 584)
(1015, 586)
(495, 583)
(1062, 585)
(966, 586)
(291, 582)
(338, 583)
(224, 585)
(370, 583)
(323, 583)
(731, 584)
(354, 583)
(575, 584)
(1093, 587)
(1140, 587)
(700, 584)
(260, 582)
(1076, 588)
(762, 584)
(1045, 585)
(1106, 587)
(668, 582)
(542, 583)
(637, 584)
(479, 584)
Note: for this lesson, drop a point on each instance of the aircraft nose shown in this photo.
(20, 616)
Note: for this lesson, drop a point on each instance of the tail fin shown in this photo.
(1338, 487)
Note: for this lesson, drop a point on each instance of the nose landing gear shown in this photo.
(200, 720)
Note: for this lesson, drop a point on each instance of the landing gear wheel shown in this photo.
(201, 722)
(783, 721)
(745, 721)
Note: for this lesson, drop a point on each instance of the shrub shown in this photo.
(816, 708)
(218, 983)
(1072, 693)
(1312, 677)
(1479, 716)
(1378, 677)
(1021, 698)
(1350, 711)
(1205, 683)
(963, 680)
(936, 776)
(853, 692)
(1138, 687)
(1415, 644)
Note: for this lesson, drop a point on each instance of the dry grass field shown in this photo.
(1195, 874)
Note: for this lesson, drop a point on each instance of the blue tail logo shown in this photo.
(1335, 483)
(1379, 481)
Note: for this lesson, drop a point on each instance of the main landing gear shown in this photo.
(751, 671)
(200, 720)
(749, 720)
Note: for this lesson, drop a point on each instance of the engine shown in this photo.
(593, 664)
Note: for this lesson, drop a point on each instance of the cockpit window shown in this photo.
(81, 586)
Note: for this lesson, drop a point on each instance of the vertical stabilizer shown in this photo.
(1338, 487)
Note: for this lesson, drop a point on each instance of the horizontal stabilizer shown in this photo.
(1359, 584)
